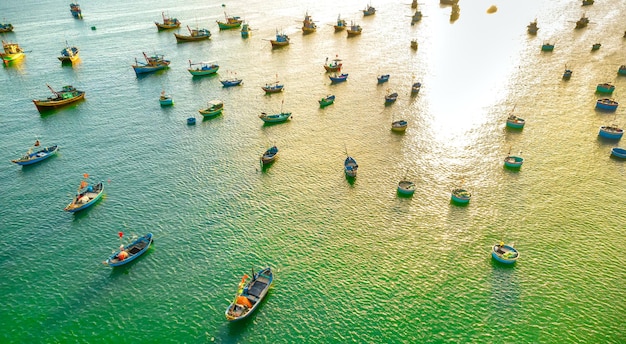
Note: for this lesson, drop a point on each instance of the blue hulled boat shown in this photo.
(621, 70)
(269, 156)
(461, 196)
(618, 152)
(86, 196)
(130, 252)
(505, 254)
(275, 118)
(338, 78)
(165, 99)
(231, 82)
(383, 78)
(611, 132)
(34, 157)
(249, 294)
(606, 104)
(152, 64)
(391, 98)
(415, 88)
(75, 10)
(350, 167)
(515, 122)
(369, 10)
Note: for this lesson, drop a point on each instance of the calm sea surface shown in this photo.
(354, 262)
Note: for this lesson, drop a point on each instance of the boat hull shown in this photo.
(460, 196)
(12, 57)
(610, 134)
(618, 152)
(203, 71)
(227, 26)
(504, 254)
(184, 38)
(514, 162)
(406, 188)
(166, 102)
(606, 105)
(277, 118)
(148, 69)
(161, 26)
(350, 167)
(515, 125)
(141, 245)
(327, 101)
(38, 156)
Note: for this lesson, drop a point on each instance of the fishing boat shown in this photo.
(334, 66)
(383, 78)
(513, 161)
(12, 52)
(605, 88)
(406, 188)
(152, 64)
(588, 2)
(325, 101)
(341, 24)
(33, 157)
(618, 152)
(202, 68)
(606, 104)
(249, 294)
(582, 22)
(414, 4)
(391, 98)
(67, 95)
(369, 10)
(231, 22)
(399, 126)
(165, 99)
(415, 88)
(547, 47)
(515, 122)
(75, 10)
(191, 121)
(245, 30)
(275, 87)
(86, 196)
(596, 46)
(269, 156)
(350, 167)
(68, 54)
(621, 70)
(505, 254)
(460, 196)
(414, 44)
(308, 26)
(214, 108)
(6, 27)
(281, 40)
(448, 2)
(130, 252)
(417, 16)
(231, 81)
(612, 132)
(168, 23)
(354, 29)
(567, 74)
(532, 27)
(194, 35)
(338, 78)
(275, 118)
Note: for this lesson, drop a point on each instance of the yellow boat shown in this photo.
(12, 52)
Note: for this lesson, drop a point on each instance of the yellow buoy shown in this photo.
(492, 9)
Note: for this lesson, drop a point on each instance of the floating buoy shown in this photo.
(492, 9)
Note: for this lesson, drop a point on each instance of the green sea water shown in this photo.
(353, 261)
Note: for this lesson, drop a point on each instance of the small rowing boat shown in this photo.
(399, 126)
(165, 99)
(249, 294)
(214, 108)
(607, 104)
(86, 196)
(338, 78)
(34, 157)
(350, 167)
(505, 254)
(152, 64)
(325, 101)
(202, 68)
(275, 118)
(130, 252)
(406, 188)
(269, 156)
(461, 196)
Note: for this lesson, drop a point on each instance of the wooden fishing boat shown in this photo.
(308, 26)
(341, 24)
(460, 196)
(338, 78)
(596, 46)
(245, 30)
(618, 152)
(6, 27)
(515, 122)
(588, 2)
(547, 47)
(354, 29)
(334, 66)
(582, 22)
(391, 98)
(269, 156)
(325, 101)
(414, 44)
(76, 11)
(68, 54)
(168, 23)
(417, 16)
(612, 132)
(532, 27)
(152, 64)
(214, 108)
(194, 35)
(86, 196)
(414, 4)
(165, 99)
(231, 81)
(513, 161)
(67, 95)
(406, 188)
(567, 74)
(369, 10)
(34, 157)
(249, 294)
(399, 126)
(605, 88)
(275, 118)
(505, 254)
(621, 70)
(130, 252)
(231, 22)
(202, 68)
(350, 167)
(281, 40)
(607, 104)
(12, 52)
(383, 78)
(273, 88)
(415, 88)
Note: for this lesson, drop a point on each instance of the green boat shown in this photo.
(231, 22)
(327, 100)
(12, 52)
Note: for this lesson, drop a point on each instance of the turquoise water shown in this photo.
(354, 262)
